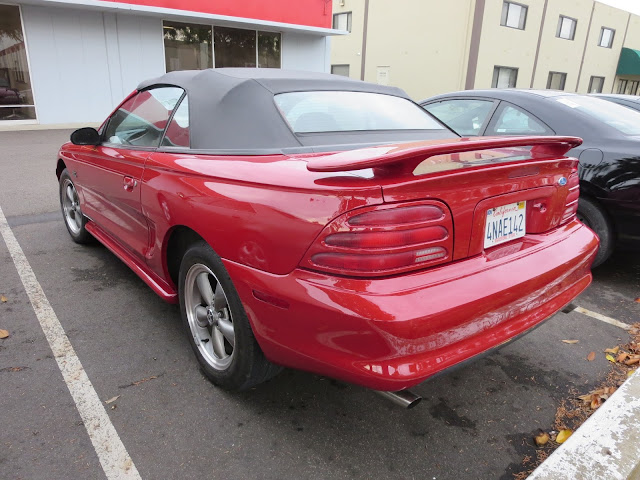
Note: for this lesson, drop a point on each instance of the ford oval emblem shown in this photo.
(562, 182)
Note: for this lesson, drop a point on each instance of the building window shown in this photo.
(556, 80)
(187, 46)
(566, 28)
(195, 47)
(340, 70)
(633, 87)
(596, 84)
(504, 77)
(622, 86)
(16, 97)
(342, 21)
(606, 37)
(514, 15)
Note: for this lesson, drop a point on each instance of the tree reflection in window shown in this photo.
(187, 46)
(268, 50)
(234, 47)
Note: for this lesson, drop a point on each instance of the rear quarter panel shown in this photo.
(263, 212)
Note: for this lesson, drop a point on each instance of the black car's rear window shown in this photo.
(623, 119)
(337, 111)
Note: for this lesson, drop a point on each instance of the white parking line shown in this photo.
(113, 456)
(603, 318)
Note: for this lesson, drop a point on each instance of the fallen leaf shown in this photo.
(113, 399)
(622, 357)
(542, 438)
(613, 350)
(563, 435)
(4, 334)
(591, 357)
(638, 300)
(610, 358)
(570, 342)
(633, 360)
(596, 401)
(630, 372)
(3, 299)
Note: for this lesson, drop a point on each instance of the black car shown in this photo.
(609, 157)
(631, 101)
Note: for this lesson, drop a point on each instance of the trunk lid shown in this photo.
(487, 184)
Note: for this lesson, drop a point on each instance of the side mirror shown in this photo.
(85, 136)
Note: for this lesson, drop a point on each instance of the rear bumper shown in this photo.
(392, 333)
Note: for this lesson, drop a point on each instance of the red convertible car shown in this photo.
(325, 224)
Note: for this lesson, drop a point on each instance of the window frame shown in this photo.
(161, 147)
(349, 20)
(591, 80)
(504, 16)
(341, 65)
(496, 76)
(613, 36)
(632, 84)
(501, 107)
(573, 29)
(622, 85)
(550, 78)
(213, 42)
(105, 126)
(34, 105)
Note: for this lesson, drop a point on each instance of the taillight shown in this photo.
(384, 240)
(571, 204)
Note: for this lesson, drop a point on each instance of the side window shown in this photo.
(141, 120)
(177, 134)
(510, 120)
(465, 117)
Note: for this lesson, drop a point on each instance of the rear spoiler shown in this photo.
(409, 155)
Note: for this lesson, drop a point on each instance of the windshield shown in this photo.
(623, 119)
(334, 111)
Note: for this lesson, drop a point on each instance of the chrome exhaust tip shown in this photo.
(404, 398)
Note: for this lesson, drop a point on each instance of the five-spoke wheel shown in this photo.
(210, 320)
(219, 330)
(70, 204)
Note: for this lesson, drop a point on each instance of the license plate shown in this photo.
(505, 223)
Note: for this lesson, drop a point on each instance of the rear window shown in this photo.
(621, 118)
(334, 111)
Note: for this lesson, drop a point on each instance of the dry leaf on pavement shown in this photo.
(622, 357)
(613, 350)
(3, 299)
(591, 357)
(4, 334)
(610, 358)
(113, 399)
(542, 438)
(571, 342)
(563, 435)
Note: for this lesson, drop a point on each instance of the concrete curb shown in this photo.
(607, 445)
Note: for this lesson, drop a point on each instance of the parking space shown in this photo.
(474, 422)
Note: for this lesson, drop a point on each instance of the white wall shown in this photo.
(83, 63)
(305, 52)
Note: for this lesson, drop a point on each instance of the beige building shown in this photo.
(429, 47)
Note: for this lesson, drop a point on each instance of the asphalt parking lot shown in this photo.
(474, 423)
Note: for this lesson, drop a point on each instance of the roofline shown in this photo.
(186, 15)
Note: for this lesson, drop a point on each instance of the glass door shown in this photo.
(16, 97)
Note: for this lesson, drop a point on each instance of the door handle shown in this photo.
(129, 183)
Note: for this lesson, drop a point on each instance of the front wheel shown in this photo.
(592, 215)
(74, 220)
(216, 323)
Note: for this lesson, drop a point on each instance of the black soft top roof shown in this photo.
(232, 109)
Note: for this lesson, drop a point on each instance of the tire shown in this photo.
(217, 325)
(594, 217)
(74, 220)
